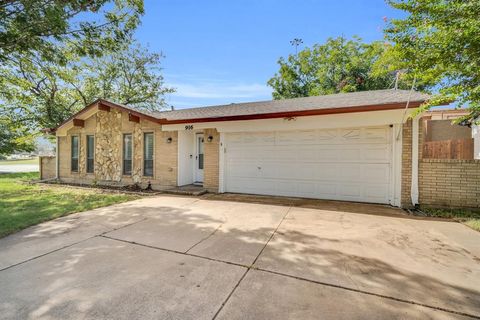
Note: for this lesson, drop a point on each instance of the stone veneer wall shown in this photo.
(108, 146)
(108, 128)
(211, 160)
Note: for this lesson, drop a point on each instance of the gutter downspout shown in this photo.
(414, 185)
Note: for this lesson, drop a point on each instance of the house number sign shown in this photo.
(189, 127)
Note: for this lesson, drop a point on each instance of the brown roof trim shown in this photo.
(303, 113)
(108, 104)
(285, 114)
(130, 111)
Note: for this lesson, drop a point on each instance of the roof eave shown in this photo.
(302, 113)
(104, 103)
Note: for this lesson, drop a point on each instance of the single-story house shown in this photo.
(360, 146)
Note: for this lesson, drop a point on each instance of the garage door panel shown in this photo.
(263, 138)
(349, 154)
(327, 154)
(327, 135)
(324, 173)
(307, 189)
(350, 134)
(249, 185)
(296, 137)
(341, 164)
(308, 154)
(379, 191)
(380, 135)
(378, 153)
(350, 190)
(280, 154)
(326, 190)
(244, 169)
(376, 172)
(349, 172)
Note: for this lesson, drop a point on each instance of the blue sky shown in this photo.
(225, 51)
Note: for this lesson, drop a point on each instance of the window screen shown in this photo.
(148, 154)
(74, 163)
(127, 154)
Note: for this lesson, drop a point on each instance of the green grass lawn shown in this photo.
(470, 218)
(23, 161)
(23, 205)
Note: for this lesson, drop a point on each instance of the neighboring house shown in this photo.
(351, 146)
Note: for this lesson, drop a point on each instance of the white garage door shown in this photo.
(341, 164)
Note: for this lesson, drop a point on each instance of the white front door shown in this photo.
(198, 172)
(342, 164)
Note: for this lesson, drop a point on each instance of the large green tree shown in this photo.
(41, 94)
(338, 65)
(59, 55)
(90, 26)
(439, 42)
(14, 137)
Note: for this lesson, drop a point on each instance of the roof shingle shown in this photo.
(332, 101)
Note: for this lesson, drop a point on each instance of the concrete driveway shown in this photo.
(170, 257)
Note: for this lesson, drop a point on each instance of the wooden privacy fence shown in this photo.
(448, 149)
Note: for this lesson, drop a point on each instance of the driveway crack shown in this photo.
(207, 237)
(251, 266)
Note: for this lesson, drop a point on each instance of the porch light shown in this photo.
(210, 139)
(169, 140)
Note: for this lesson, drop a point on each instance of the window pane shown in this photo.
(127, 167)
(74, 165)
(148, 168)
(74, 147)
(127, 154)
(90, 147)
(200, 161)
(74, 162)
(89, 165)
(148, 155)
(90, 153)
(127, 146)
(148, 146)
(200, 152)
